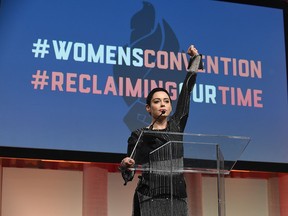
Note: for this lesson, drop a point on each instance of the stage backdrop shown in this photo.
(74, 74)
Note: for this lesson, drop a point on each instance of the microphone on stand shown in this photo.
(126, 172)
(150, 128)
(162, 113)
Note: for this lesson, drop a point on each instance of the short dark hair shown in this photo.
(153, 91)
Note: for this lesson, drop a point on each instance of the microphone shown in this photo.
(162, 113)
(150, 128)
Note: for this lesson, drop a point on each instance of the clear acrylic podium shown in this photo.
(189, 153)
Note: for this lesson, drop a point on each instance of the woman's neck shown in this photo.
(160, 124)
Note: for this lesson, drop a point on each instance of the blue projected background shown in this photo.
(74, 74)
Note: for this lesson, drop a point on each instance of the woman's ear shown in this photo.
(148, 108)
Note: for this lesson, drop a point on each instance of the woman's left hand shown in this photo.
(192, 51)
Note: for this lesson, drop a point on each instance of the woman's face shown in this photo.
(160, 102)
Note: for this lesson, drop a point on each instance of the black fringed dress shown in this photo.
(153, 192)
